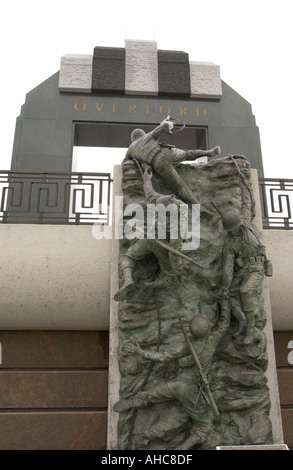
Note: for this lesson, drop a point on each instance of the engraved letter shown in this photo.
(79, 106)
(201, 111)
(99, 107)
(183, 110)
(132, 108)
(168, 109)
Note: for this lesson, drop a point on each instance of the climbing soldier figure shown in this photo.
(163, 158)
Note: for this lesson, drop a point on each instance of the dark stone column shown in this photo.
(174, 73)
(108, 70)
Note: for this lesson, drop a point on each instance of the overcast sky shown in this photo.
(251, 41)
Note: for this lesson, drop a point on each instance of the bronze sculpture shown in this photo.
(231, 398)
(163, 158)
(244, 265)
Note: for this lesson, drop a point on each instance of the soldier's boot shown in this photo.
(128, 404)
(215, 151)
(195, 154)
(128, 283)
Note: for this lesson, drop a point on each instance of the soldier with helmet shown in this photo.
(186, 388)
(146, 148)
(171, 267)
(244, 264)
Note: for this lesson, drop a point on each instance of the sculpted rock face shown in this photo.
(192, 352)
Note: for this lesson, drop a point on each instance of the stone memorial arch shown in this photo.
(98, 100)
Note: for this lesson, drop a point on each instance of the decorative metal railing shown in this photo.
(54, 198)
(276, 198)
(84, 198)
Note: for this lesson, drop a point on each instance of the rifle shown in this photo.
(177, 252)
(217, 209)
(201, 372)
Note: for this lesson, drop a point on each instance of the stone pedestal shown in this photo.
(271, 372)
(114, 374)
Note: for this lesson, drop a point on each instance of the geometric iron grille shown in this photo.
(54, 198)
(276, 196)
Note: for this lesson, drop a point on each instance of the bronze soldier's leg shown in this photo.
(164, 167)
(249, 300)
(167, 275)
(239, 315)
(136, 252)
(191, 155)
(157, 394)
(178, 185)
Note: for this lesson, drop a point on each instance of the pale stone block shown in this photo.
(141, 75)
(114, 373)
(271, 373)
(205, 80)
(62, 281)
(76, 73)
(279, 244)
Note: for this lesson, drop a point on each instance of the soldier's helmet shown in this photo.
(231, 220)
(200, 326)
(136, 134)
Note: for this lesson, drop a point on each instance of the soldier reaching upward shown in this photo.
(170, 263)
(163, 157)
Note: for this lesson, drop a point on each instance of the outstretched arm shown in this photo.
(158, 356)
(149, 191)
(163, 128)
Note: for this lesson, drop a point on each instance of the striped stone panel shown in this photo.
(287, 422)
(205, 80)
(141, 67)
(53, 389)
(173, 73)
(55, 430)
(285, 381)
(22, 349)
(108, 70)
(284, 348)
(76, 73)
(283, 341)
